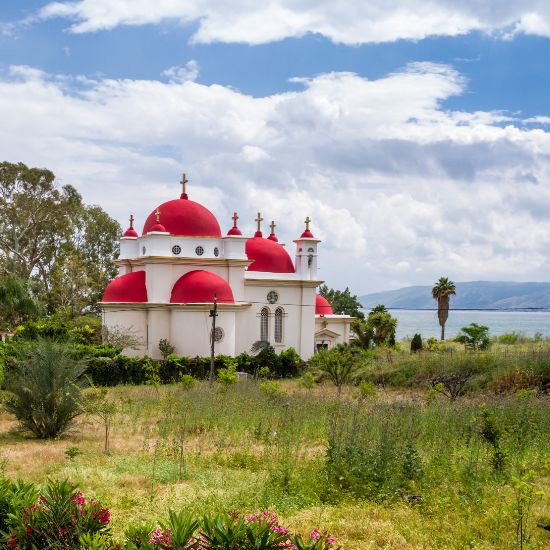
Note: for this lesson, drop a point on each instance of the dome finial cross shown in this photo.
(272, 226)
(259, 221)
(307, 222)
(184, 182)
(157, 215)
(131, 221)
(234, 218)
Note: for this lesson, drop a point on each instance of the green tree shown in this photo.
(44, 387)
(382, 325)
(342, 302)
(442, 292)
(474, 336)
(338, 365)
(416, 343)
(48, 236)
(16, 301)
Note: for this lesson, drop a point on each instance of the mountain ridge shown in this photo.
(503, 295)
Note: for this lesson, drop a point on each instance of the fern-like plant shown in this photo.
(45, 388)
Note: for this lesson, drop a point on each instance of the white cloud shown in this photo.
(343, 21)
(178, 74)
(390, 177)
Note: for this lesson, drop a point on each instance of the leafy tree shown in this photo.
(342, 302)
(382, 325)
(16, 302)
(166, 348)
(442, 292)
(416, 343)
(474, 336)
(45, 384)
(49, 236)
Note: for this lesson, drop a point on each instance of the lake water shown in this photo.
(499, 322)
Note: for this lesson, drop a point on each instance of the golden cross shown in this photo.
(259, 221)
(184, 180)
(131, 220)
(234, 218)
(307, 222)
(157, 214)
(272, 226)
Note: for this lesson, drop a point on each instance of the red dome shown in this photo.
(268, 256)
(199, 287)
(234, 231)
(130, 232)
(322, 306)
(157, 228)
(186, 218)
(307, 234)
(127, 288)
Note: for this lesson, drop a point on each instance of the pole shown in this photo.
(213, 314)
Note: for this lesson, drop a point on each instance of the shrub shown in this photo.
(56, 519)
(44, 387)
(166, 348)
(416, 343)
(367, 389)
(272, 389)
(474, 336)
(186, 381)
(228, 375)
(337, 365)
(307, 380)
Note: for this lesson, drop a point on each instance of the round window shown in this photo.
(216, 252)
(311, 249)
(143, 251)
(199, 250)
(218, 334)
(272, 296)
(176, 249)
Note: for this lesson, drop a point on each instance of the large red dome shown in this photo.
(186, 218)
(268, 256)
(199, 287)
(322, 306)
(127, 288)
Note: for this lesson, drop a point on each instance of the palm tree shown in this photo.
(442, 292)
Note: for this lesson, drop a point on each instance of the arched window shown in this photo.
(279, 325)
(264, 324)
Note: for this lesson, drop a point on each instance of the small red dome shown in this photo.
(273, 237)
(157, 228)
(268, 256)
(185, 218)
(130, 232)
(307, 234)
(234, 231)
(322, 306)
(127, 288)
(197, 287)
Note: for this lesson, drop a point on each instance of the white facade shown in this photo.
(277, 307)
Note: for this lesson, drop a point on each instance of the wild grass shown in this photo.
(395, 469)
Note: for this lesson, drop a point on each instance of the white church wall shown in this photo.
(129, 248)
(158, 323)
(131, 321)
(340, 325)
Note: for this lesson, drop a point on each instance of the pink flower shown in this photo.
(315, 534)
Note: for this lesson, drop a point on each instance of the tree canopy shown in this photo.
(342, 301)
(441, 293)
(54, 243)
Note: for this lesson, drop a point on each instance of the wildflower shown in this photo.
(315, 534)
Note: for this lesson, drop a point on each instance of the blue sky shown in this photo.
(441, 130)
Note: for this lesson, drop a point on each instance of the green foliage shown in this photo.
(491, 433)
(186, 381)
(363, 334)
(337, 365)
(166, 348)
(56, 519)
(307, 380)
(16, 301)
(272, 389)
(416, 343)
(84, 330)
(474, 337)
(228, 375)
(382, 326)
(342, 301)
(66, 248)
(44, 385)
(72, 452)
(367, 389)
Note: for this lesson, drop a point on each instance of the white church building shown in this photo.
(170, 276)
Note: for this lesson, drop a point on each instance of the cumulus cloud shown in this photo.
(399, 187)
(346, 21)
(179, 74)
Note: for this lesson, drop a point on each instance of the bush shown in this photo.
(416, 343)
(337, 365)
(187, 381)
(55, 517)
(45, 385)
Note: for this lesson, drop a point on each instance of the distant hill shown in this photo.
(475, 295)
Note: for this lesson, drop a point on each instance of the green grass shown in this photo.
(244, 450)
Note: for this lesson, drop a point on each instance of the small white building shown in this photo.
(169, 276)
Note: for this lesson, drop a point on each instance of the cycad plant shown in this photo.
(45, 388)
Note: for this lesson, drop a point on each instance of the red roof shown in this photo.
(186, 218)
(322, 306)
(127, 288)
(307, 234)
(269, 256)
(130, 232)
(234, 231)
(199, 287)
